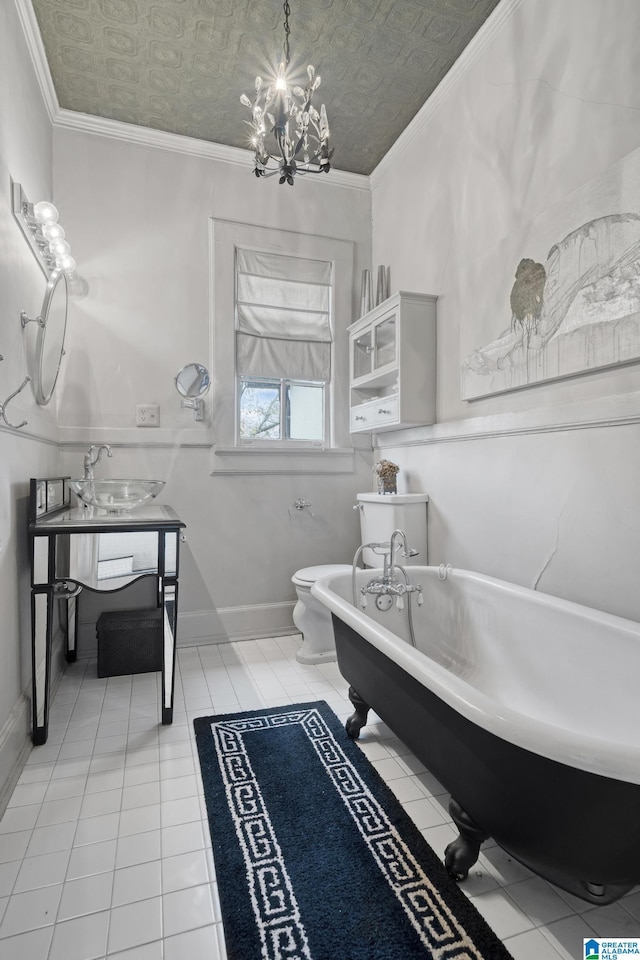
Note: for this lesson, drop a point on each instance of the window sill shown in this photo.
(257, 460)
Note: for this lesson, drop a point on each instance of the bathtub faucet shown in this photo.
(389, 588)
(389, 560)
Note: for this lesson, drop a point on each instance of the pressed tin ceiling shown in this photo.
(181, 65)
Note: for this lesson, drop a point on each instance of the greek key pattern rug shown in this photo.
(315, 857)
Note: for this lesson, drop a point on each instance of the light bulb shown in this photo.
(77, 286)
(66, 263)
(281, 82)
(59, 247)
(53, 231)
(45, 212)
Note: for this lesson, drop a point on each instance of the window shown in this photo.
(281, 409)
(283, 347)
(307, 399)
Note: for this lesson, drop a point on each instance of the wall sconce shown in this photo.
(46, 237)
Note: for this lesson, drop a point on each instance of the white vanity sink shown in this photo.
(116, 495)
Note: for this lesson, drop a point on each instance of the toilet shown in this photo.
(380, 515)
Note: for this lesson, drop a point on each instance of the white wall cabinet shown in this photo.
(392, 365)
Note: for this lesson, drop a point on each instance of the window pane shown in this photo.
(259, 409)
(305, 409)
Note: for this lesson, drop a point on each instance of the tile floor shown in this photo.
(105, 850)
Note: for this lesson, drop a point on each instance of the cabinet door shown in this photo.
(385, 340)
(362, 353)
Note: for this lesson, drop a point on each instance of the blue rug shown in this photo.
(314, 855)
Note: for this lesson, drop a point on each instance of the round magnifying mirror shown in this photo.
(52, 325)
(193, 380)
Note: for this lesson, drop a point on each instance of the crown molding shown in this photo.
(31, 32)
(188, 146)
(492, 26)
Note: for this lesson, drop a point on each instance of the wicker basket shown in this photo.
(129, 641)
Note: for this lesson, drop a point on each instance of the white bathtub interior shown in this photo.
(550, 675)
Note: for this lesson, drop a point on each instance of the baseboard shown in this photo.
(15, 736)
(15, 747)
(227, 624)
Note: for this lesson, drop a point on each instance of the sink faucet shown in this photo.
(92, 457)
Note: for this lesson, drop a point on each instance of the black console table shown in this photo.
(64, 562)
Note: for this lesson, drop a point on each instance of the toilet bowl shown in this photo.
(312, 618)
(380, 515)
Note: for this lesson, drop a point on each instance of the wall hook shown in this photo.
(3, 406)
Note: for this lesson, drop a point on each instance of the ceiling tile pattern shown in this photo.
(181, 65)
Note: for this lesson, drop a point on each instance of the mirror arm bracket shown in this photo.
(196, 404)
(24, 320)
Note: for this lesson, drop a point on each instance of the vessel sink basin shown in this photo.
(116, 496)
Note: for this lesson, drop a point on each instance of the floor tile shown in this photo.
(106, 801)
(539, 901)
(134, 924)
(612, 920)
(139, 882)
(184, 870)
(201, 944)
(566, 936)
(91, 858)
(147, 951)
(17, 819)
(86, 895)
(83, 938)
(501, 913)
(27, 911)
(531, 945)
(28, 793)
(97, 829)
(187, 909)
(32, 945)
(58, 836)
(42, 871)
(138, 849)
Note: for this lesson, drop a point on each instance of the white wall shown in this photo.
(139, 217)
(545, 106)
(25, 155)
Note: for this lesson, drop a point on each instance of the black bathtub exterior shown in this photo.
(575, 828)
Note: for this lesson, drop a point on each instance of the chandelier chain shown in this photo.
(287, 30)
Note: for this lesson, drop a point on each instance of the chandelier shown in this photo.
(301, 132)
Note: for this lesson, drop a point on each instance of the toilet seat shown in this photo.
(309, 575)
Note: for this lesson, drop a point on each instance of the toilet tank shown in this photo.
(381, 514)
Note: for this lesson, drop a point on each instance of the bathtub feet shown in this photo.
(461, 854)
(357, 720)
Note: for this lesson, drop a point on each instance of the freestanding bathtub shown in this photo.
(525, 707)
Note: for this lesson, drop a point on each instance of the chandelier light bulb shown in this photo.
(45, 212)
(281, 82)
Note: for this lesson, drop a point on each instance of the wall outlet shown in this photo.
(147, 415)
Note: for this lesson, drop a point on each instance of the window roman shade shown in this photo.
(283, 325)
